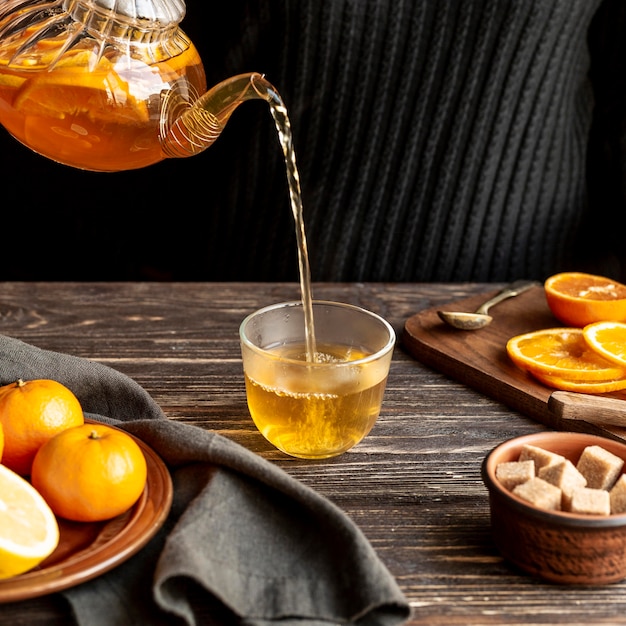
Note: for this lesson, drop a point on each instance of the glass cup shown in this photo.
(315, 408)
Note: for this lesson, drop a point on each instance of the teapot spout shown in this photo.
(197, 126)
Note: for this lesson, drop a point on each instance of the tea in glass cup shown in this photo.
(315, 406)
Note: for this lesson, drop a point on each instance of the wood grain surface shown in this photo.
(478, 358)
(413, 485)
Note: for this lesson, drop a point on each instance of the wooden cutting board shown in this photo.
(478, 359)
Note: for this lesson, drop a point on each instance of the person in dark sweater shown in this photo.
(436, 141)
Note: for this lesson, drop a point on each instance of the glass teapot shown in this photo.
(110, 85)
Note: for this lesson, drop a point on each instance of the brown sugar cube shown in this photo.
(590, 501)
(618, 496)
(540, 456)
(599, 466)
(540, 493)
(566, 477)
(513, 473)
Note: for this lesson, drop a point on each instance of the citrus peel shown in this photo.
(581, 386)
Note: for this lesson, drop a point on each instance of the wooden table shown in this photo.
(413, 485)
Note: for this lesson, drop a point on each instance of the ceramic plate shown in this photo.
(87, 550)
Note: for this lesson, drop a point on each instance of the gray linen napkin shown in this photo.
(244, 539)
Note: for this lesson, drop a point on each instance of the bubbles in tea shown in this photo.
(321, 414)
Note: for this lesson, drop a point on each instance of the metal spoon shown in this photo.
(480, 319)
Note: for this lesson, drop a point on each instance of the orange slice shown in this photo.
(607, 339)
(74, 90)
(578, 299)
(563, 353)
(10, 80)
(581, 386)
(67, 84)
(94, 94)
(173, 67)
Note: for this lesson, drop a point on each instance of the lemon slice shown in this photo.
(29, 531)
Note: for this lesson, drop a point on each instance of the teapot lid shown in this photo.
(165, 12)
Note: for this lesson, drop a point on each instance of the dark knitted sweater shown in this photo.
(436, 140)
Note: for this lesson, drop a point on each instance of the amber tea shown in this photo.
(320, 408)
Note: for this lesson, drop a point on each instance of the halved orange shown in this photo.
(578, 299)
(29, 531)
(561, 353)
(607, 339)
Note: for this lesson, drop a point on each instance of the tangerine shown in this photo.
(90, 473)
(32, 412)
(29, 532)
(578, 299)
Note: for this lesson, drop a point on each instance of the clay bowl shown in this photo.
(557, 546)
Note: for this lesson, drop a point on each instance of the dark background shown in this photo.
(175, 220)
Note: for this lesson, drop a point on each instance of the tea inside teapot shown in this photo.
(110, 85)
